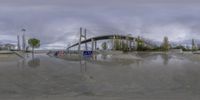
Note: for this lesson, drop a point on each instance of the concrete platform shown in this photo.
(6, 52)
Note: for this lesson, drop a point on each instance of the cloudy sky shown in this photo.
(56, 22)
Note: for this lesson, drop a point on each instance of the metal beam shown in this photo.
(104, 37)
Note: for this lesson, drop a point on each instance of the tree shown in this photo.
(165, 44)
(117, 45)
(140, 44)
(34, 43)
(104, 46)
(124, 47)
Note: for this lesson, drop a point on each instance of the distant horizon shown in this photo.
(14, 42)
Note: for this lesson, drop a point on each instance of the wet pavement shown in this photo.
(153, 77)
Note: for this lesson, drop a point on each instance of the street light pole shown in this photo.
(23, 39)
(18, 43)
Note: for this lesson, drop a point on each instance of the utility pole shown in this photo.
(18, 43)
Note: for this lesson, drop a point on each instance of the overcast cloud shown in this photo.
(57, 22)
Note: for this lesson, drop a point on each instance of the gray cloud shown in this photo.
(57, 22)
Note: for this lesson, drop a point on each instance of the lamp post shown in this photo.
(23, 40)
(18, 43)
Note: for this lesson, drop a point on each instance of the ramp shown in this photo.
(19, 54)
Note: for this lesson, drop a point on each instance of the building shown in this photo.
(7, 46)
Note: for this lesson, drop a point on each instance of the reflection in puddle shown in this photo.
(84, 70)
(165, 58)
(101, 57)
(83, 65)
(102, 76)
(105, 59)
(35, 62)
(28, 62)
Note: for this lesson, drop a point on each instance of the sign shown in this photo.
(87, 53)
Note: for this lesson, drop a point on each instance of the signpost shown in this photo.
(87, 53)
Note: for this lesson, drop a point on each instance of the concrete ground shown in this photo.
(154, 77)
